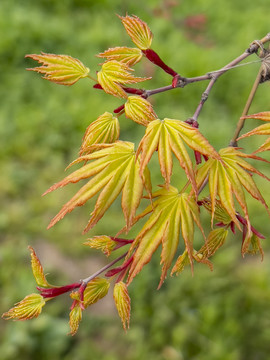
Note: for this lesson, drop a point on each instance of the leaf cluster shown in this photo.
(110, 167)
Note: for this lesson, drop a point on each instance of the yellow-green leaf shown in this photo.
(215, 240)
(113, 74)
(264, 116)
(103, 243)
(260, 130)
(138, 30)
(252, 245)
(265, 147)
(110, 173)
(75, 317)
(139, 110)
(95, 290)
(169, 136)
(172, 212)
(180, 264)
(29, 308)
(220, 214)
(122, 302)
(129, 56)
(38, 270)
(60, 69)
(231, 176)
(105, 129)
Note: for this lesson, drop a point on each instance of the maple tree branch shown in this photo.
(104, 268)
(241, 121)
(212, 76)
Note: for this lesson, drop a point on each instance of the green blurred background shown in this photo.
(222, 315)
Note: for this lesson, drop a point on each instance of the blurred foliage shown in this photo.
(219, 315)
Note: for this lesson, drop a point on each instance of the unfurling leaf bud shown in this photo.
(122, 302)
(113, 74)
(252, 245)
(215, 240)
(29, 308)
(60, 69)
(129, 56)
(103, 243)
(95, 290)
(75, 316)
(180, 264)
(38, 270)
(105, 129)
(139, 110)
(138, 30)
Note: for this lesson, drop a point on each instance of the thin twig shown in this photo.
(213, 76)
(100, 271)
(241, 121)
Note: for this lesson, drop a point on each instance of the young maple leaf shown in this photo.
(170, 136)
(215, 240)
(252, 245)
(28, 308)
(172, 212)
(220, 214)
(114, 169)
(129, 56)
(60, 69)
(75, 317)
(95, 290)
(113, 74)
(139, 110)
(122, 302)
(38, 270)
(138, 30)
(105, 129)
(229, 177)
(260, 130)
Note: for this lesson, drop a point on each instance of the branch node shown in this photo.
(181, 82)
(204, 96)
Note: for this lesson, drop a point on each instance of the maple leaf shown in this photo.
(113, 74)
(28, 308)
(38, 270)
(95, 290)
(75, 317)
(113, 169)
(103, 242)
(122, 302)
(230, 176)
(172, 212)
(138, 30)
(105, 129)
(183, 260)
(215, 240)
(60, 69)
(106, 244)
(129, 56)
(220, 214)
(169, 136)
(251, 244)
(139, 110)
(260, 130)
